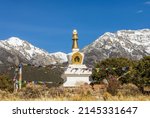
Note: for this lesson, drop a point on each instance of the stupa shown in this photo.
(76, 73)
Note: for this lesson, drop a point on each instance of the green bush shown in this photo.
(113, 67)
(125, 70)
(141, 75)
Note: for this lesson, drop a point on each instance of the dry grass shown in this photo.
(84, 93)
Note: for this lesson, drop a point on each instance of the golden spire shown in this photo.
(75, 38)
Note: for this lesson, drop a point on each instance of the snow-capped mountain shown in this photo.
(132, 44)
(14, 50)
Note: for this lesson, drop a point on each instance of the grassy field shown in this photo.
(84, 93)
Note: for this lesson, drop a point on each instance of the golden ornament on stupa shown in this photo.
(75, 38)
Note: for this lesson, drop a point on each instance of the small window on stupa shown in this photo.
(77, 59)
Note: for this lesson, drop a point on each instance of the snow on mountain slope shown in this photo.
(60, 55)
(132, 44)
(31, 53)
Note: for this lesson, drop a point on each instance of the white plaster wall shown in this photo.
(76, 81)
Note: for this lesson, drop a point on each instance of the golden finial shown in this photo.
(75, 38)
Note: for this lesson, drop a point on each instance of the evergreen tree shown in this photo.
(113, 67)
(141, 76)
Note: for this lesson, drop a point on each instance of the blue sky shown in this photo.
(48, 24)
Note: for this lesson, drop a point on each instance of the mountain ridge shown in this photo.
(30, 54)
(132, 44)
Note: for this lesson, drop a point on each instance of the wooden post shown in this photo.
(20, 76)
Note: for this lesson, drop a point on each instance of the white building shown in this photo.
(76, 73)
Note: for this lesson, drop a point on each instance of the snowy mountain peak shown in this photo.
(132, 44)
(15, 41)
(30, 53)
(124, 43)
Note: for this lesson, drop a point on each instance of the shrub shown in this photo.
(114, 67)
(129, 90)
(125, 70)
(6, 83)
(106, 96)
(141, 76)
(113, 86)
(32, 91)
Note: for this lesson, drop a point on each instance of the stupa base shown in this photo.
(76, 81)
